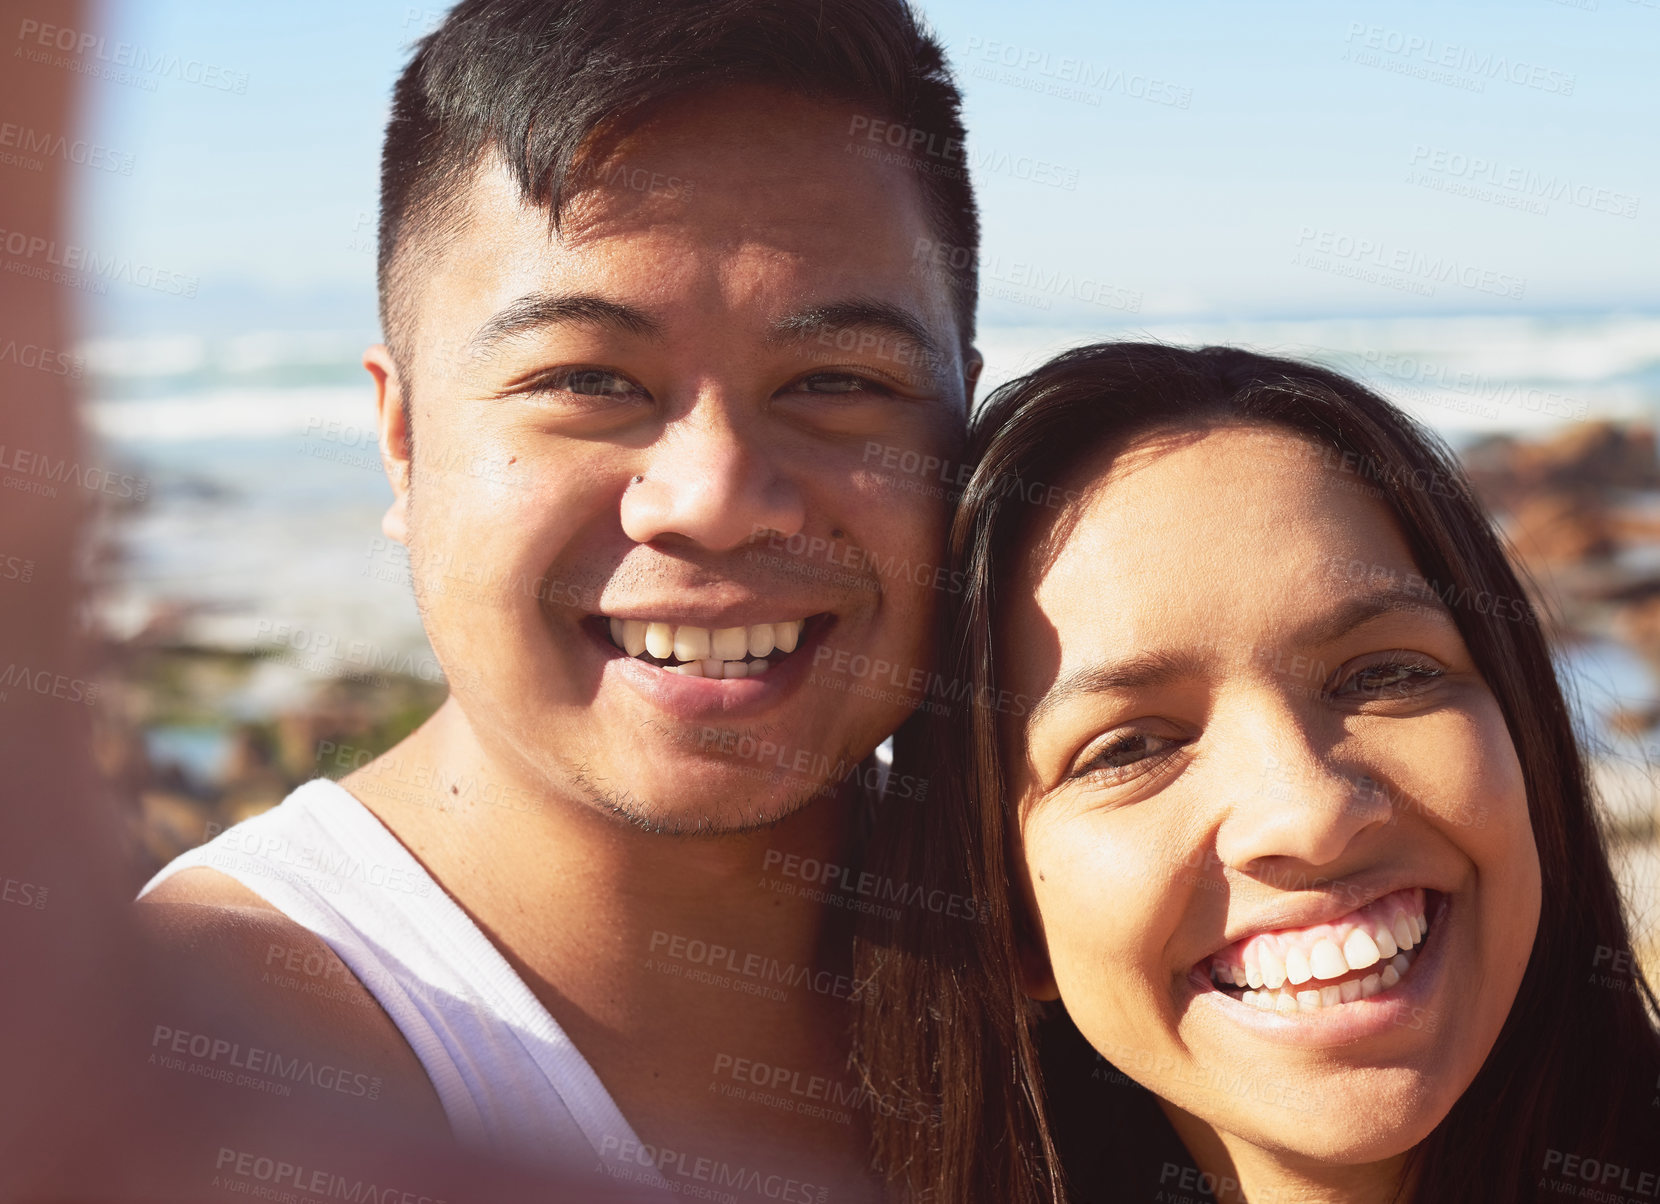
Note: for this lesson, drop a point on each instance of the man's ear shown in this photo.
(396, 446)
(973, 365)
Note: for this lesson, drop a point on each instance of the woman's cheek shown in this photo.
(1094, 903)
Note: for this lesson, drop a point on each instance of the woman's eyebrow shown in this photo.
(1361, 608)
(1134, 673)
(1162, 668)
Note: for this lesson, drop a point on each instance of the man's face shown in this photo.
(688, 412)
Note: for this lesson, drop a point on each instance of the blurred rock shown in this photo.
(1587, 459)
(171, 823)
(1629, 798)
(1637, 620)
(1551, 529)
(1633, 721)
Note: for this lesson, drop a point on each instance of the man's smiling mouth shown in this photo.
(692, 651)
(1327, 965)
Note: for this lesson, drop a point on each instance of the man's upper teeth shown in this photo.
(686, 644)
(1375, 933)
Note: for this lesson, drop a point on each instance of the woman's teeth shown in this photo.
(1285, 1000)
(707, 652)
(1272, 967)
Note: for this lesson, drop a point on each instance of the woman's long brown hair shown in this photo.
(1576, 1067)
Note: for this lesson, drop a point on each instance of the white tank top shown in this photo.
(509, 1078)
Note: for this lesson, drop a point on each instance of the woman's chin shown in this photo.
(1351, 1125)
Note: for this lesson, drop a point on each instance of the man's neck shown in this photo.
(1245, 1172)
(673, 963)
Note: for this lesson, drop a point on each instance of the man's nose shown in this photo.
(707, 483)
(1304, 809)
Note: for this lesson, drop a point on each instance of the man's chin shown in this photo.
(713, 804)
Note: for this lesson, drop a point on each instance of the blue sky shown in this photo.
(1194, 159)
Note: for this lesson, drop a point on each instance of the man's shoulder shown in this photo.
(210, 929)
(227, 955)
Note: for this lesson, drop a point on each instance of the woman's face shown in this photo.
(1260, 755)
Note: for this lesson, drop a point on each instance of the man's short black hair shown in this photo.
(537, 81)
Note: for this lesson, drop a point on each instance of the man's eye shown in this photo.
(1390, 679)
(587, 382)
(837, 383)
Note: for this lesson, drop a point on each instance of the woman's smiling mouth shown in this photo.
(1296, 970)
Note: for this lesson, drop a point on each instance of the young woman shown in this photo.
(1268, 793)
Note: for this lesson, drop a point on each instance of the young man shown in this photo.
(664, 334)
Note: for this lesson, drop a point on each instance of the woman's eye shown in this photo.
(1124, 752)
(1391, 679)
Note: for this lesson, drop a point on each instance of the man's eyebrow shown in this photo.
(536, 310)
(1159, 668)
(860, 315)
